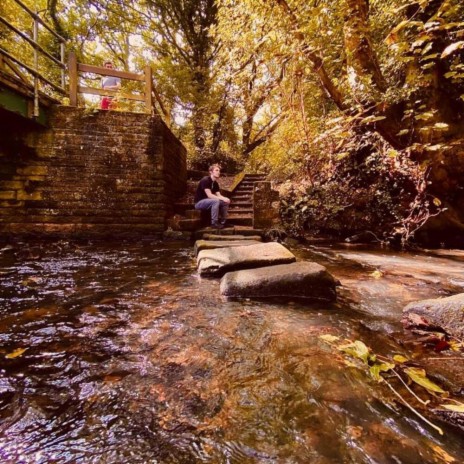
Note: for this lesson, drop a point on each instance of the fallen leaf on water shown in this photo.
(454, 407)
(420, 377)
(376, 274)
(377, 368)
(356, 349)
(16, 353)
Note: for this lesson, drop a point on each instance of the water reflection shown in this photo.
(131, 357)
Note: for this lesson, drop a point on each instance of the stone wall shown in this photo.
(265, 206)
(92, 174)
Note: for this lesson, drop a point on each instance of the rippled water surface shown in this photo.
(120, 353)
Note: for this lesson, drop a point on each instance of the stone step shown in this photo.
(241, 204)
(189, 224)
(240, 210)
(240, 220)
(255, 176)
(193, 214)
(218, 261)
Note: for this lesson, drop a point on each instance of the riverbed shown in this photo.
(121, 353)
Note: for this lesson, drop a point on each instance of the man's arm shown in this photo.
(213, 196)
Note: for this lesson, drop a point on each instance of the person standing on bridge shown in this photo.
(109, 83)
(208, 197)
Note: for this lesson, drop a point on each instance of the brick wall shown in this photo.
(91, 174)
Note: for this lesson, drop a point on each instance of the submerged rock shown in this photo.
(441, 313)
(212, 244)
(297, 280)
(222, 260)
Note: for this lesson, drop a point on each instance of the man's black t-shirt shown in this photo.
(206, 183)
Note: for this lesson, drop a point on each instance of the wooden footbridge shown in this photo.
(32, 78)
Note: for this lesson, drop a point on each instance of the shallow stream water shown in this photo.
(120, 353)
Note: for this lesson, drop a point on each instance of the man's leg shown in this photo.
(224, 208)
(213, 205)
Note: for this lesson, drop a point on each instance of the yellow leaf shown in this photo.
(400, 358)
(419, 376)
(16, 353)
(436, 202)
(454, 407)
(455, 346)
(452, 48)
(376, 274)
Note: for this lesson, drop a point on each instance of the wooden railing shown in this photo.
(19, 68)
(148, 96)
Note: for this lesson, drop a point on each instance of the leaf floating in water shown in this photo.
(356, 349)
(420, 377)
(376, 369)
(16, 353)
(456, 346)
(400, 359)
(376, 274)
(454, 407)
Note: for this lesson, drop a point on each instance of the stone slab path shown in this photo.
(252, 269)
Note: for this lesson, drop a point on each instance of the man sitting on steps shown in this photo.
(208, 196)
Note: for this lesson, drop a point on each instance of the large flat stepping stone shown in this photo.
(297, 280)
(212, 244)
(441, 313)
(221, 260)
(232, 237)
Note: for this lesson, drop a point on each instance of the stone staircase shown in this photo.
(241, 207)
(240, 211)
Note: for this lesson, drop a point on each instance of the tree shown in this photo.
(394, 68)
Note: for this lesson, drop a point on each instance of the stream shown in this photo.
(120, 353)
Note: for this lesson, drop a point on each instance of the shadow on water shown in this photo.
(120, 353)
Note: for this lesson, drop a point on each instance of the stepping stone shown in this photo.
(212, 244)
(221, 260)
(231, 237)
(297, 280)
(441, 313)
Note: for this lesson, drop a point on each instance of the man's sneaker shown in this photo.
(215, 225)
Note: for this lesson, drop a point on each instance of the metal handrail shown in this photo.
(33, 70)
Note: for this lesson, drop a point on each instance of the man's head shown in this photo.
(215, 171)
(108, 64)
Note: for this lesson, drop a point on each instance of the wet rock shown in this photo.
(232, 237)
(212, 244)
(441, 313)
(297, 280)
(221, 260)
(364, 237)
